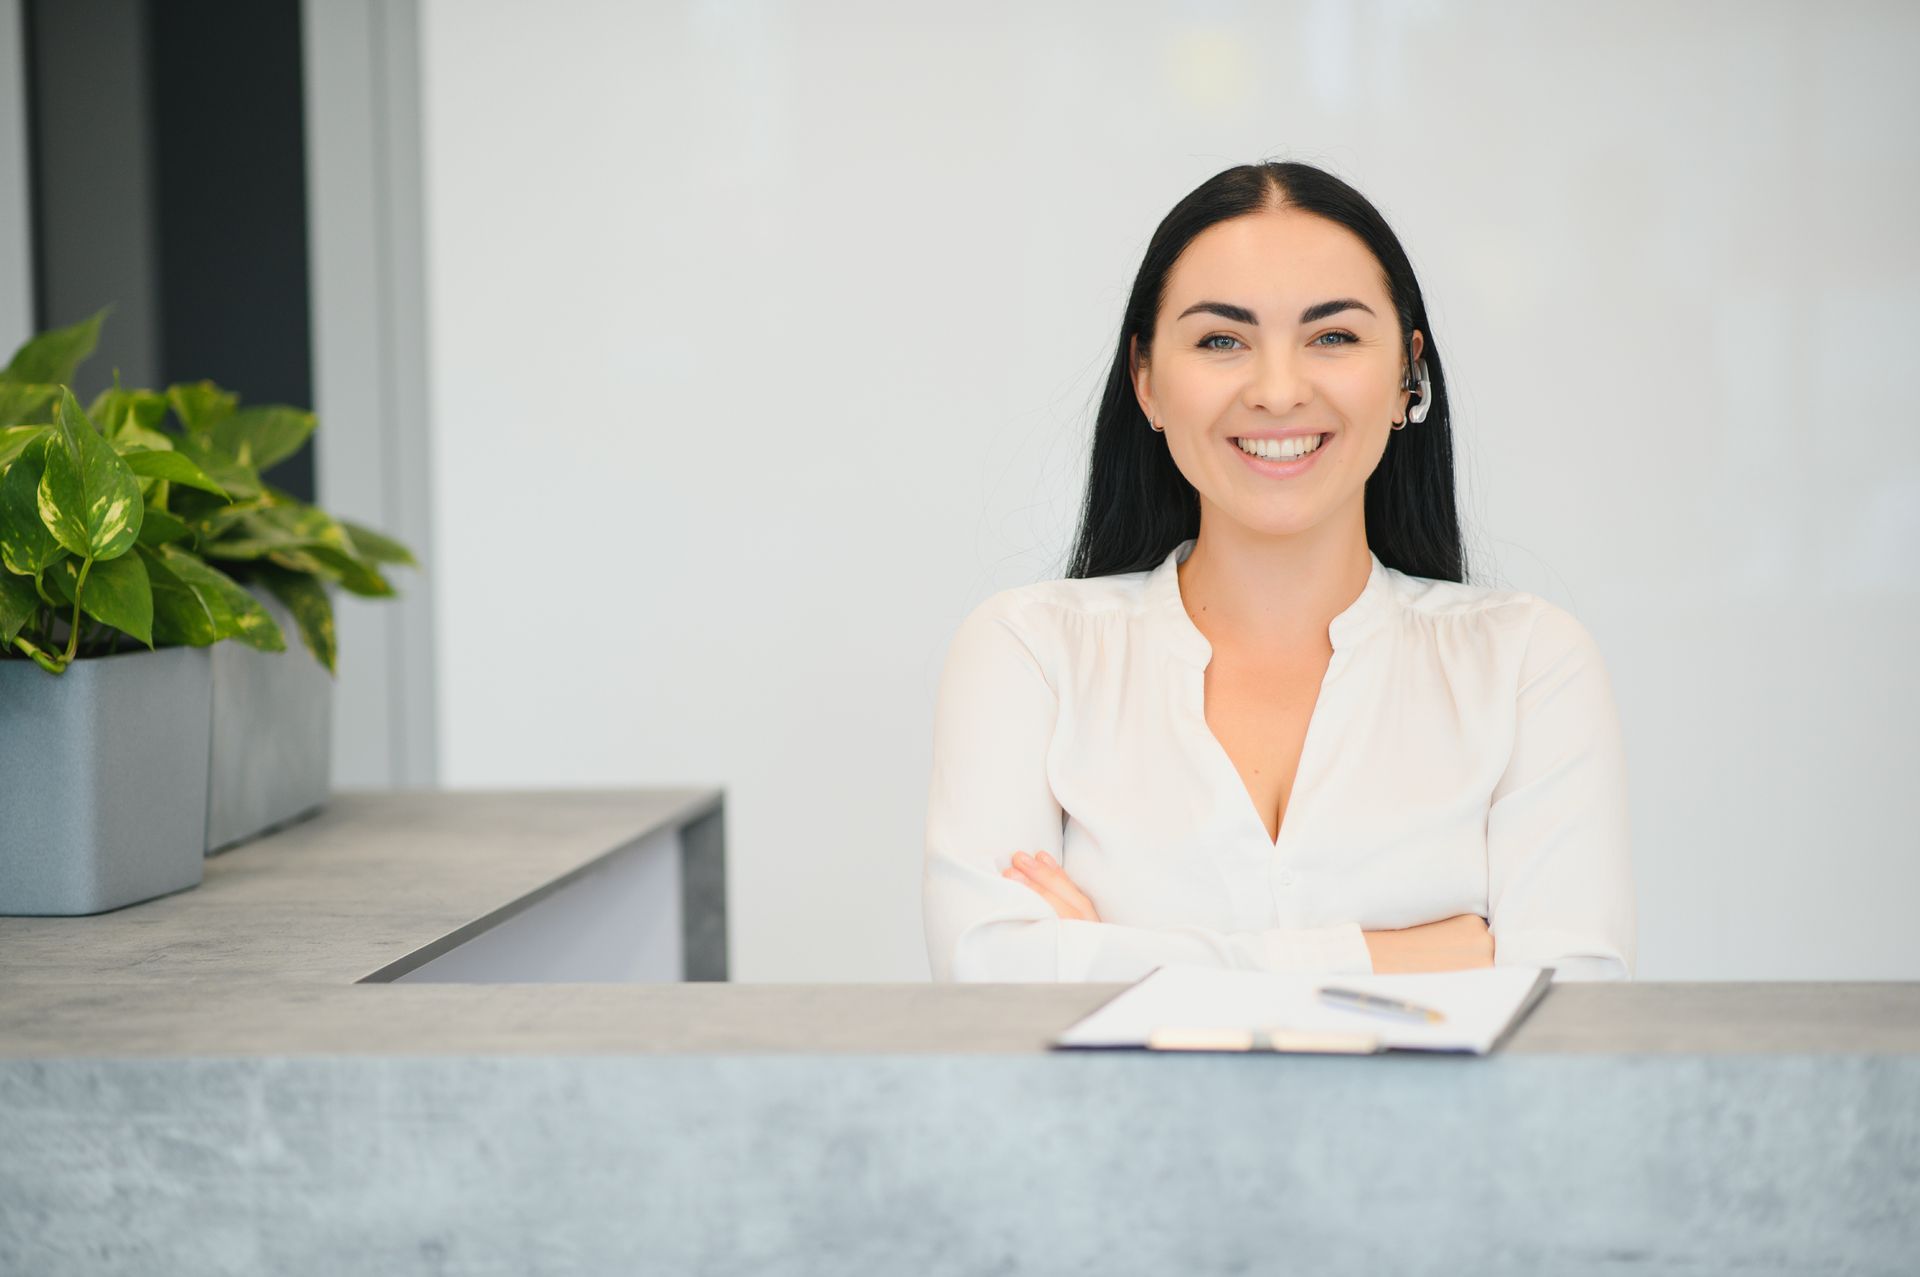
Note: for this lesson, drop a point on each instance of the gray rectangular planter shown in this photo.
(272, 756)
(103, 780)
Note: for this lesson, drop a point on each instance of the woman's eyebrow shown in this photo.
(1241, 315)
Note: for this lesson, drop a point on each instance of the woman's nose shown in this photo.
(1278, 384)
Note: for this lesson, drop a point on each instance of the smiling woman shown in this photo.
(1265, 722)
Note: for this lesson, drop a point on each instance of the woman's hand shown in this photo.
(1451, 944)
(1044, 874)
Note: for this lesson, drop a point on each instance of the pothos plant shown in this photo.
(144, 517)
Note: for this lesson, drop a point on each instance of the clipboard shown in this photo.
(1192, 1008)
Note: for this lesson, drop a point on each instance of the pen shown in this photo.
(1355, 1000)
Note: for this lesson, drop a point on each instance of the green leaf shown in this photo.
(18, 603)
(378, 547)
(159, 527)
(26, 545)
(285, 524)
(258, 437)
(51, 357)
(172, 467)
(180, 614)
(88, 497)
(312, 611)
(354, 575)
(241, 481)
(62, 499)
(114, 410)
(210, 519)
(58, 580)
(26, 402)
(117, 592)
(233, 611)
(137, 438)
(200, 405)
(304, 539)
(236, 613)
(15, 439)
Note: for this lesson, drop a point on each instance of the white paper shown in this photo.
(1478, 1004)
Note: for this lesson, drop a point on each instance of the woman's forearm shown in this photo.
(1452, 944)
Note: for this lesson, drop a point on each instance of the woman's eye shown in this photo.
(1345, 339)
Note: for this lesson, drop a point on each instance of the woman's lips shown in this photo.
(1282, 469)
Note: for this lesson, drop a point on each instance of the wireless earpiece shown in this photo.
(1417, 412)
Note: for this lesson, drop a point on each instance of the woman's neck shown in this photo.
(1253, 590)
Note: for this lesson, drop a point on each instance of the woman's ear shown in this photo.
(1141, 388)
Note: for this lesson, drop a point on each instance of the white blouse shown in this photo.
(1464, 756)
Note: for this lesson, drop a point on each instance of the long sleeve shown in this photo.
(1560, 875)
(995, 716)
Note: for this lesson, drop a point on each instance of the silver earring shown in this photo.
(1418, 412)
(1157, 426)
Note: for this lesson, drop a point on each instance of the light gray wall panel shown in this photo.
(371, 449)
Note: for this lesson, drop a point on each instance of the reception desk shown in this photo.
(491, 1033)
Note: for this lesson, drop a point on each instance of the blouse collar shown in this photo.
(1166, 608)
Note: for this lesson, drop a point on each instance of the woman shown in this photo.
(1264, 723)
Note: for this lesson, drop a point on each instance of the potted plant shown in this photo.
(103, 746)
(272, 715)
(112, 521)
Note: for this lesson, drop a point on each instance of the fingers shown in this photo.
(1016, 872)
(1043, 874)
(1060, 907)
(1054, 878)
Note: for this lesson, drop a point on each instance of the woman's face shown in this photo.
(1273, 322)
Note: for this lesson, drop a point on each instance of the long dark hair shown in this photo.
(1139, 506)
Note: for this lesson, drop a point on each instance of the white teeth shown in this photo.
(1281, 449)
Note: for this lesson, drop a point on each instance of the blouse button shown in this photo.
(1284, 878)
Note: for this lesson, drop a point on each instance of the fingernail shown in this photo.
(1046, 858)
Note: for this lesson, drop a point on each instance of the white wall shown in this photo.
(764, 339)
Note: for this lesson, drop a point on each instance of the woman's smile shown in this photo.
(1276, 468)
